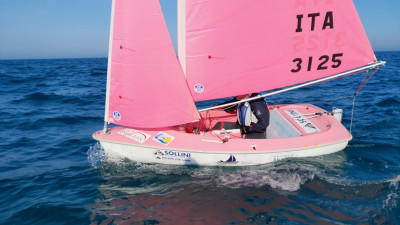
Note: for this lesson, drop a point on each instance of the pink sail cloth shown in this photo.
(147, 85)
(238, 47)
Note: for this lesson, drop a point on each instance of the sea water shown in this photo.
(53, 172)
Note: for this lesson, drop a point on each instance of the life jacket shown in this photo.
(245, 115)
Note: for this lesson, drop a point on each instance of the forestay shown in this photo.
(260, 45)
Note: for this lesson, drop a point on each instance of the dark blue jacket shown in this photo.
(260, 109)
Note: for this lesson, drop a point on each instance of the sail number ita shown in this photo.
(323, 63)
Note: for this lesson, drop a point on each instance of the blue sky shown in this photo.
(80, 28)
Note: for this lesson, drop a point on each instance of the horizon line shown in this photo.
(105, 57)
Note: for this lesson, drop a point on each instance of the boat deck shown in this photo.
(291, 127)
(294, 131)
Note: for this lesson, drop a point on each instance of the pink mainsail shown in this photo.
(146, 85)
(258, 45)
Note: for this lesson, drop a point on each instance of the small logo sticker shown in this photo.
(231, 160)
(164, 138)
(117, 116)
(198, 88)
(158, 154)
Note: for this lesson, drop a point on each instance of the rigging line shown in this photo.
(352, 113)
(363, 84)
(199, 124)
(203, 123)
(208, 118)
(357, 70)
(210, 128)
(223, 140)
(366, 75)
(215, 135)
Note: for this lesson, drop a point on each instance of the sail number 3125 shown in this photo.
(323, 62)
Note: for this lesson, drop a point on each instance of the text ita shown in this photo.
(328, 21)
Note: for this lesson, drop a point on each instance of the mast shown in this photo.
(182, 34)
(109, 68)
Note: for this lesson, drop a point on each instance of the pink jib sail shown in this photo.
(146, 86)
(238, 47)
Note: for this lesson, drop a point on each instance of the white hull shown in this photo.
(176, 157)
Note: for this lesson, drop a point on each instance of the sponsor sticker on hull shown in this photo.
(173, 155)
(163, 138)
(135, 135)
(302, 121)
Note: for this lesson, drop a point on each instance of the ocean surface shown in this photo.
(53, 172)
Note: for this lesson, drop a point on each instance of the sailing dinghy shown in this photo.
(226, 49)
